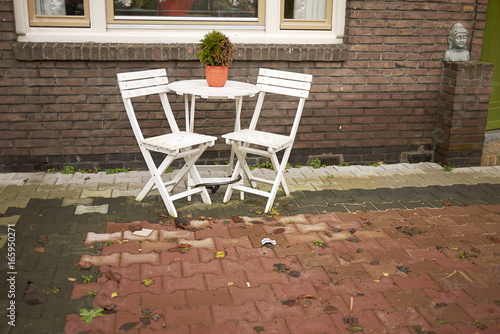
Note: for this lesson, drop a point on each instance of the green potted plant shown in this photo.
(217, 52)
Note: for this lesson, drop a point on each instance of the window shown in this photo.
(59, 13)
(306, 14)
(180, 21)
(190, 12)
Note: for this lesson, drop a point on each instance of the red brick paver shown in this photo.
(329, 273)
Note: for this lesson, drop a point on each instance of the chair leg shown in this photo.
(241, 165)
(147, 188)
(156, 177)
(276, 163)
(279, 178)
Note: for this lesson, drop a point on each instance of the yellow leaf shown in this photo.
(220, 254)
(71, 279)
(122, 241)
(230, 283)
(114, 294)
(376, 280)
(147, 281)
(386, 274)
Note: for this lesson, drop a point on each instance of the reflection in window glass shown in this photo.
(305, 9)
(192, 8)
(59, 7)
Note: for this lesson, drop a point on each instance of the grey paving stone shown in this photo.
(81, 209)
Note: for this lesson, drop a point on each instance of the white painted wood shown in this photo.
(200, 88)
(268, 144)
(176, 145)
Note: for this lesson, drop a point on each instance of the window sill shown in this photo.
(32, 51)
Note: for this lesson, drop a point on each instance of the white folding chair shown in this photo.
(264, 143)
(175, 145)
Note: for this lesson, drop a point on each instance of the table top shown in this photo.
(231, 89)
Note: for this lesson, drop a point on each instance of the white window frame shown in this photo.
(102, 32)
(67, 21)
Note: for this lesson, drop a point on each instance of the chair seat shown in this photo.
(176, 141)
(272, 140)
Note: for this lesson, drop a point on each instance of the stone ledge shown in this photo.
(30, 51)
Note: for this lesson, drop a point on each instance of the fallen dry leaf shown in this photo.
(147, 281)
(113, 276)
(136, 226)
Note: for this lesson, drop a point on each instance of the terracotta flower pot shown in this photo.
(216, 75)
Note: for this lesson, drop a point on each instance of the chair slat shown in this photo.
(141, 74)
(284, 83)
(283, 90)
(285, 75)
(145, 91)
(142, 83)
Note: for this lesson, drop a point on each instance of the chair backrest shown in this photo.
(143, 83)
(283, 83)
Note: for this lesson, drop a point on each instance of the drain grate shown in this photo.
(416, 158)
(46, 167)
(327, 159)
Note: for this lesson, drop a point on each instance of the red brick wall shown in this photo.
(373, 97)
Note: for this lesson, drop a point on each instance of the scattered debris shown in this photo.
(294, 273)
(236, 219)
(43, 239)
(481, 326)
(289, 302)
(181, 222)
(447, 203)
(440, 248)
(128, 326)
(136, 226)
(403, 269)
(410, 230)
(351, 321)
(280, 230)
(438, 305)
(266, 242)
(113, 276)
(353, 239)
(258, 329)
(220, 254)
(147, 281)
(493, 238)
(109, 309)
(280, 267)
(320, 244)
(143, 232)
(461, 273)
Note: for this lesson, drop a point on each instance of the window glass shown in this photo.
(59, 13)
(306, 14)
(187, 9)
(59, 7)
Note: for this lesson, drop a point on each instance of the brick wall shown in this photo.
(462, 113)
(373, 97)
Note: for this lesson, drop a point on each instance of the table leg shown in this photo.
(237, 127)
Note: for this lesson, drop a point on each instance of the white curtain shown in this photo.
(50, 7)
(309, 9)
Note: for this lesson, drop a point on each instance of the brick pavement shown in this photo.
(420, 258)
